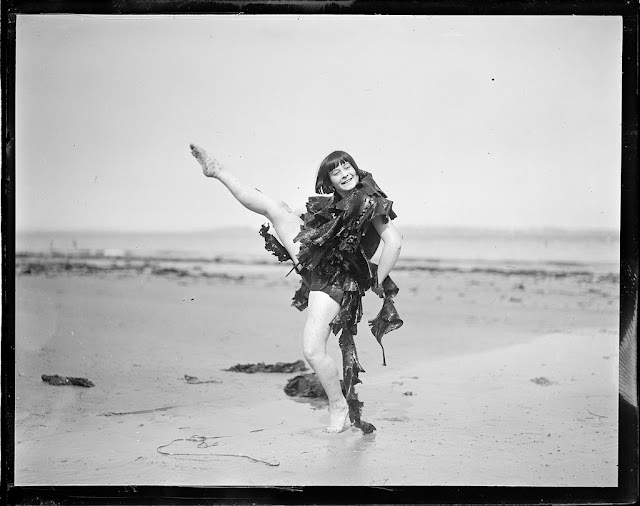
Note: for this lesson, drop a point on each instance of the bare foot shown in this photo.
(338, 417)
(210, 166)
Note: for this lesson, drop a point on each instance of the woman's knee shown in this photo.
(314, 342)
(313, 354)
(279, 213)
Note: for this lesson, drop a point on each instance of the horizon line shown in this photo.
(488, 228)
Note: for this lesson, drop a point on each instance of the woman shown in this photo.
(331, 245)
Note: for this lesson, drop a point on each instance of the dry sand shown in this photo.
(456, 404)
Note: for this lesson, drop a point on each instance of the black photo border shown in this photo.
(627, 490)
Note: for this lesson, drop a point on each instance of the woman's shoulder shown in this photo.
(371, 187)
(383, 207)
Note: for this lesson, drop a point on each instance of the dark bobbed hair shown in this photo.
(323, 183)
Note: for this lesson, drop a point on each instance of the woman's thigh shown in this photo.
(287, 226)
(322, 309)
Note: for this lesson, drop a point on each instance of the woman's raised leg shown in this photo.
(285, 222)
(322, 310)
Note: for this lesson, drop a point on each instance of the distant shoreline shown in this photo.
(96, 262)
(409, 229)
(424, 249)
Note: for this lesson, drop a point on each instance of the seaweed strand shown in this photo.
(351, 369)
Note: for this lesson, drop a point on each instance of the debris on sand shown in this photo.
(262, 367)
(67, 380)
(307, 385)
(202, 444)
(542, 381)
(141, 411)
(193, 380)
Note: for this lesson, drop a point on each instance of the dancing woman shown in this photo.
(331, 244)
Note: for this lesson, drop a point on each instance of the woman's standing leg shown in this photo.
(285, 222)
(322, 310)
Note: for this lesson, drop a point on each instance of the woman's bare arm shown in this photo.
(392, 244)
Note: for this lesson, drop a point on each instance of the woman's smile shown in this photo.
(344, 178)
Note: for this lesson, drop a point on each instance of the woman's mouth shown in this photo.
(347, 181)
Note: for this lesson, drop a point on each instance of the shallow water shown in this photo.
(429, 243)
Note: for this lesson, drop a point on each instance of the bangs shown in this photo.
(336, 159)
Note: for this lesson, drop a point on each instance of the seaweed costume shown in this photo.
(337, 240)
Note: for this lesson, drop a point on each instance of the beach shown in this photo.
(498, 377)
(499, 148)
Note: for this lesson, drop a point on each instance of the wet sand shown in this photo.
(456, 404)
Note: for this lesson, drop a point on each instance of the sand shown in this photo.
(493, 380)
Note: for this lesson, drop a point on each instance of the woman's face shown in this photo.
(344, 178)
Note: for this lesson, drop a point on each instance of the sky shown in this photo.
(474, 121)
